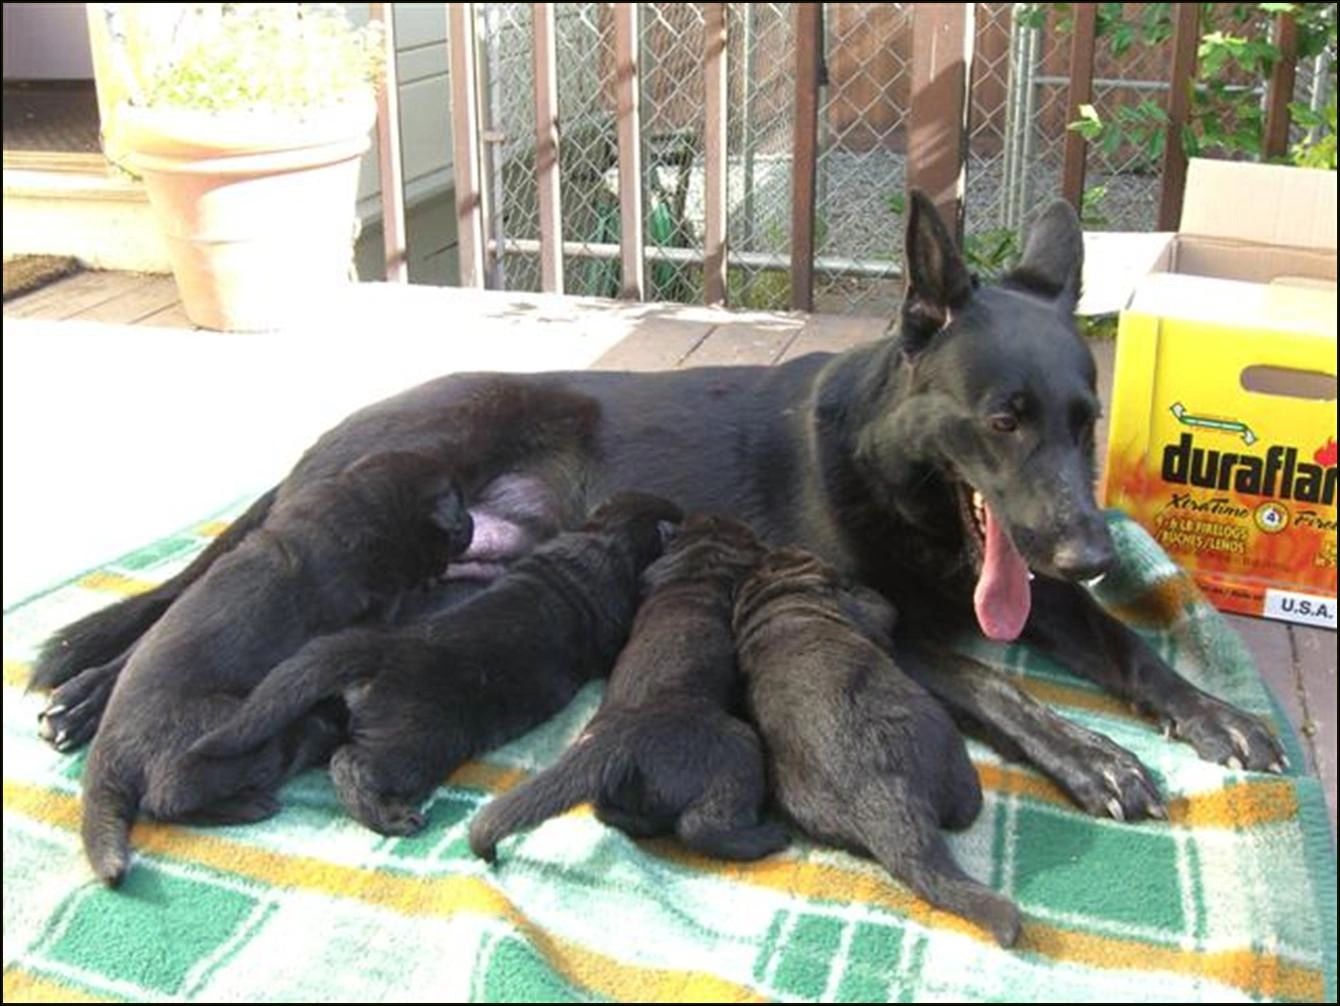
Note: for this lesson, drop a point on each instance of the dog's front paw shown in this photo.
(1220, 733)
(74, 710)
(1106, 780)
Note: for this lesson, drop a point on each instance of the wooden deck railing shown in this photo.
(936, 155)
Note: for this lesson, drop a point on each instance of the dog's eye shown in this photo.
(1004, 422)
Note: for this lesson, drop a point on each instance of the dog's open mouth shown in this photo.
(1003, 596)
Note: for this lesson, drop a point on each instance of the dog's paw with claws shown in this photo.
(1228, 736)
(74, 710)
(1106, 780)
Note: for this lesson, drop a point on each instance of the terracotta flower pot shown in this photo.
(257, 208)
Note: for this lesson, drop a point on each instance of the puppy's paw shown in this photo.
(397, 819)
(74, 710)
(1220, 733)
(1106, 780)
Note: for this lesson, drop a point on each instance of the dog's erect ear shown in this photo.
(938, 283)
(1053, 260)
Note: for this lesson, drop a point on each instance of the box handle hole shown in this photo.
(1289, 383)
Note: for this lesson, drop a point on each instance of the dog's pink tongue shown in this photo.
(1003, 595)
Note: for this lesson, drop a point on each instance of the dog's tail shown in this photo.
(923, 862)
(324, 667)
(109, 811)
(573, 779)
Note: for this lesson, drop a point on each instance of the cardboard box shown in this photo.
(1223, 428)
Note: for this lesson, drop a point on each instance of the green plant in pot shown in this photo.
(248, 127)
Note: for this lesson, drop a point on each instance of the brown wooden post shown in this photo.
(628, 106)
(465, 142)
(1279, 92)
(395, 253)
(937, 123)
(1081, 93)
(714, 83)
(1185, 41)
(808, 30)
(546, 149)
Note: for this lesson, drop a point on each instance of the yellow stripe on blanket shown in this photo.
(1241, 805)
(1161, 604)
(16, 673)
(23, 987)
(1256, 972)
(115, 583)
(1054, 693)
(1248, 802)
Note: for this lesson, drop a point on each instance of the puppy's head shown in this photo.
(727, 531)
(419, 501)
(709, 548)
(784, 573)
(645, 521)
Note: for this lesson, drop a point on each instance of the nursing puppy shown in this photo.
(664, 752)
(426, 696)
(859, 756)
(329, 553)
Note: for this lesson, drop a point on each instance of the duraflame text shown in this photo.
(1279, 474)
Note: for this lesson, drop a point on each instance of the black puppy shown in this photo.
(329, 553)
(426, 696)
(664, 753)
(860, 756)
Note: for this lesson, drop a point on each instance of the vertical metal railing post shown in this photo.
(547, 178)
(804, 153)
(1185, 40)
(715, 71)
(628, 109)
(467, 166)
(942, 41)
(1080, 93)
(1279, 91)
(394, 250)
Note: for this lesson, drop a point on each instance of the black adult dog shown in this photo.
(938, 467)
(329, 553)
(424, 697)
(859, 756)
(664, 752)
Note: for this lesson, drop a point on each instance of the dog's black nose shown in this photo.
(1083, 560)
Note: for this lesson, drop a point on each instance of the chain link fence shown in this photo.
(1018, 121)
(507, 120)
(862, 155)
(760, 121)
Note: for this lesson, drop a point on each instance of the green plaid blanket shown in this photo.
(1233, 898)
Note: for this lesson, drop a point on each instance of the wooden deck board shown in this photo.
(1298, 664)
(655, 345)
(742, 344)
(136, 303)
(1314, 655)
(171, 316)
(68, 297)
(825, 333)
